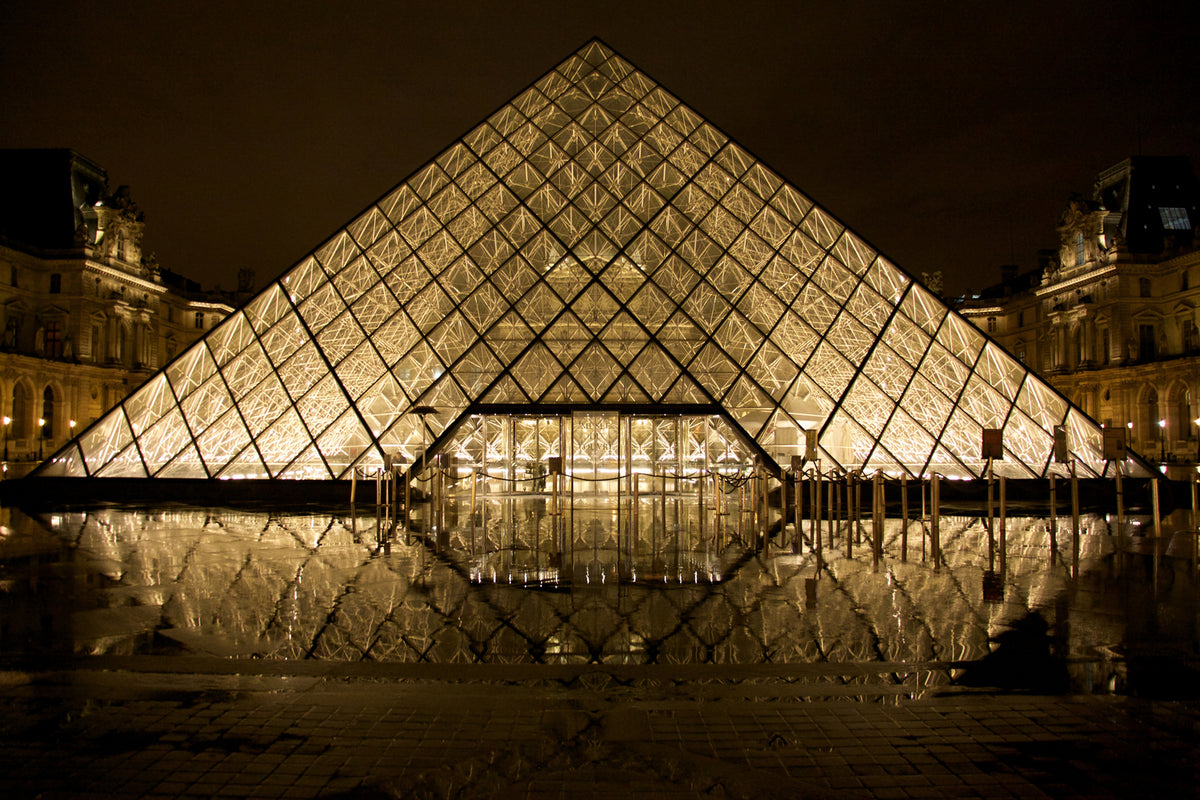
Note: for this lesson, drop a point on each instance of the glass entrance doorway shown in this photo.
(595, 496)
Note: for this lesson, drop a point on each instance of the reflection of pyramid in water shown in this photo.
(594, 243)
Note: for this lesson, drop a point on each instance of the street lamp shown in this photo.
(41, 435)
(7, 420)
(1162, 439)
(1196, 422)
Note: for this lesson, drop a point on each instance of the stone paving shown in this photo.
(161, 728)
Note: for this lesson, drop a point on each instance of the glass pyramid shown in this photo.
(593, 245)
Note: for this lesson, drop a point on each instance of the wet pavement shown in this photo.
(198, 728)
(212, 653)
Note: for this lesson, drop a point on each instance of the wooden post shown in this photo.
(991, 520)
(798, 478)
(741, 511)
(408, 505)
(1003, 529)
(1053, 520)
(1157, 517)
(851, 512)
(1120, 502)
(637, 516)
(835, 505)
(1074, 522)
(877, 520)
(474, 487)
(378, 503)
(924, 520)
(935, 534)
(663, 497)
(815, 529)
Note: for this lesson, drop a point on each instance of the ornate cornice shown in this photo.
(1078, 280)
(124, 277)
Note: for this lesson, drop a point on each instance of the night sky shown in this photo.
(949, 135)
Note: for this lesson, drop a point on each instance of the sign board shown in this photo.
(810, 445)
(993, 443)
(1114, 444)
(1061, 455)
(555, 465)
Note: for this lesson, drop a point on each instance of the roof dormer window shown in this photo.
(1174, 219)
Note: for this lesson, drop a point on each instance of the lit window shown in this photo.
(1175, 219)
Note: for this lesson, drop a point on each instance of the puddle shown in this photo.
(1121, 617)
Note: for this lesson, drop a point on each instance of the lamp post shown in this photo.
(1196, 422)
(1162, 440)
(7, 421)
(41, 435)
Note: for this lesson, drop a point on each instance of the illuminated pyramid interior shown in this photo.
(594, 272)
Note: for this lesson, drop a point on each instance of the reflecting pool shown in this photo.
(346, 587)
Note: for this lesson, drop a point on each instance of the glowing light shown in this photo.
(457, 359)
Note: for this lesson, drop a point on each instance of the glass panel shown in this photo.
(205, 404)
(355, 279)
(105, 439)
(325, 402)
(149, 403)
(167, 437)
(127, 464)
(224, 439)
(261, 406)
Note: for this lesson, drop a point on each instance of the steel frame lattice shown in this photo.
(594, 243)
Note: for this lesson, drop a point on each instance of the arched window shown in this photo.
(48, 413)
(1150, 429)
(1182, 412)
(21, 416)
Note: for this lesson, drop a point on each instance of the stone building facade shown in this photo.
(86, 315)
(1112, 317)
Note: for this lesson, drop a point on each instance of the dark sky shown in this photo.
(949, 135)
